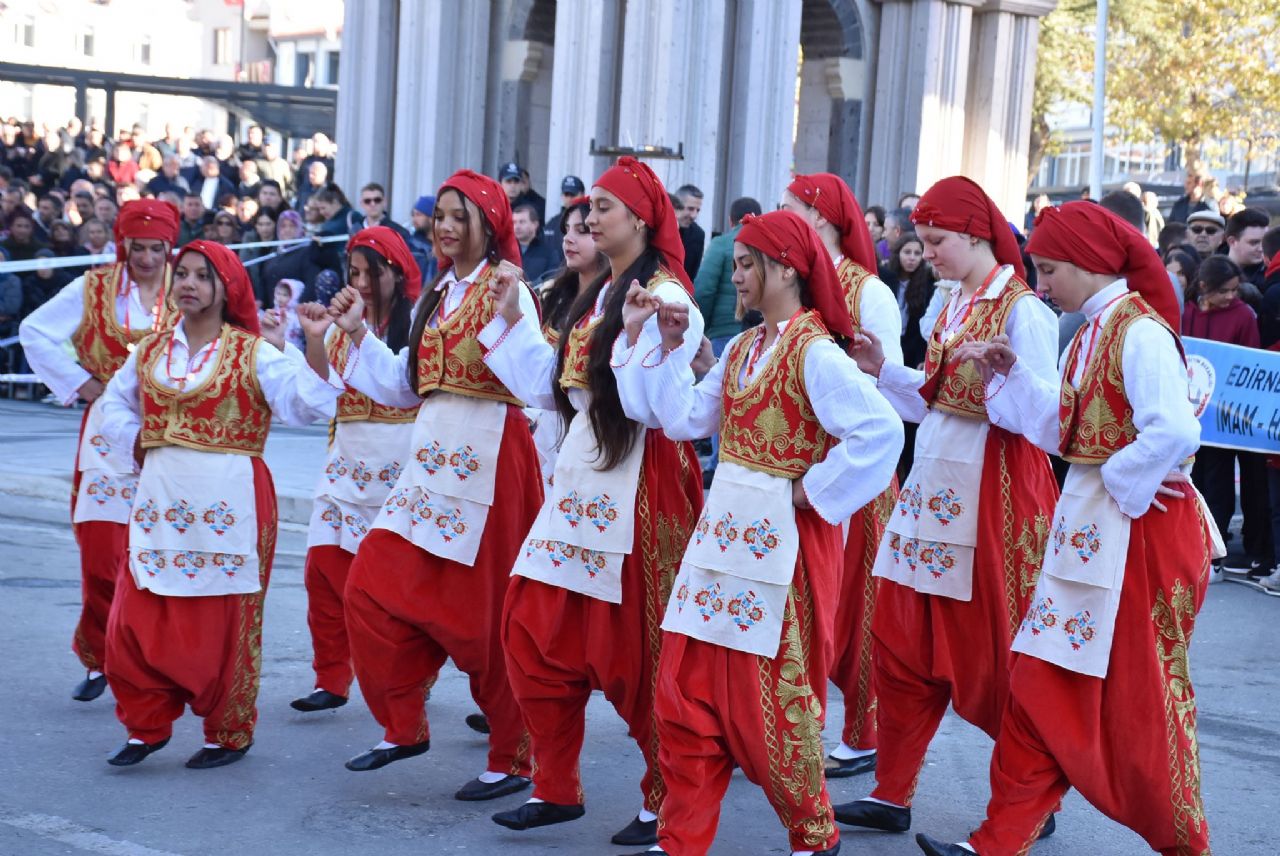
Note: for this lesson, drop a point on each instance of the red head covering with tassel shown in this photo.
(491, 199)
(788, 239)
(242, 307)
(958, 204)
(388, 244)
(641, 190)
(147, 219)
(835, 202)
(1091, 237)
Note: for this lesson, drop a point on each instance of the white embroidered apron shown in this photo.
(363, 465)
(1072, 619)
(933, 530)
(441, 501)
(586, 527)
(737, 570)
(194, 527)
(108, 482)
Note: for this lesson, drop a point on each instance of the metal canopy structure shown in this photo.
(294, 111)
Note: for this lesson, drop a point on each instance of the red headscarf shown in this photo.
(958, 204)
(388, 244)
(1091, 237)
(787, 238)
(242, 307)
(492, 201)
(1272, 266)
(641, 190)
(834, 201)
(148, 219)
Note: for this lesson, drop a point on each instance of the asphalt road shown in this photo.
(291, 794)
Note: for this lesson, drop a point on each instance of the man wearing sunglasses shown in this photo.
(1207, 230)
(373, 202)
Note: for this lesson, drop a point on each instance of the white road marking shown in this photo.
(78, 836)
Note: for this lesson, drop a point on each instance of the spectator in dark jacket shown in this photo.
(1245, 229)
(11, 294)
(420, 239)
(292, 261)
(1269, 316)
(374, 205)
(21, 244)
(713, 287)
(335, 208)
(689, 199)
(536, 258)
(41, 284)
(1193, 200)
(169, 178)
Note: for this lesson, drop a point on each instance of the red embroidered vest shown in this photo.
(101, 342)
(957, 387)
(769, 425)
(1095, 420)
(354, 406)
(853, 277)
(577, 351)
(451, 358)
(227, 412)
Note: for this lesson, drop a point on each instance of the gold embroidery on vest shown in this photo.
(853, 277)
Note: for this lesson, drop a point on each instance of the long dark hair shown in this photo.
(1214, 272)
(759, 259)
(920, 282)
(558, 297)
(397, 315)
(1189, 265)
(430, 298)
(614, 432)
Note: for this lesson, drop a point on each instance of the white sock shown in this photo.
(965, 846)
(533, 800)
(801, 853)
(94, 675)
(646, 816)
(882, 802)
(387, 745)
(136, 742)
(212, 746)
(845, 752)
(489, 777)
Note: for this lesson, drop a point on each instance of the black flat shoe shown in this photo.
(478, 791)
(933, 847)
(207, 759)
(132, 753)
(90, 688)
(530, 815)
(478, 722)
(637, 832)
(873, 815)
(1050, 827)
(377, 758)
(318, 700)
(842, 768)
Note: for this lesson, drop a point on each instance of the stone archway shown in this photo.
(833, 89)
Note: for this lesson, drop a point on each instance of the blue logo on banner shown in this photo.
(1234, 391)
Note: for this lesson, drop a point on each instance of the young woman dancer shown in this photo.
(429, 579)
(104, 314)
(1100, 695)
(587, 595)
(959, 560)
(370, 445)
(195, 404)
(805, 442)
(827, 204)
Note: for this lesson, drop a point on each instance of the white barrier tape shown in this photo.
(19, 378)
(110, 258)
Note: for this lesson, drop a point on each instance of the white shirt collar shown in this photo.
(1094, 305)
(451, 276)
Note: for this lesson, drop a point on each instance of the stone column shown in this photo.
(583, 91)
(366, 102)
(441, 81)
(763, 98)
(670, 87)
(918, 125)
(998, 109)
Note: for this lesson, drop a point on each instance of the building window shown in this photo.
(144, 51)
(222, 46)
(24, 32)
(333, 58)
(85, 38)
(302, 65)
